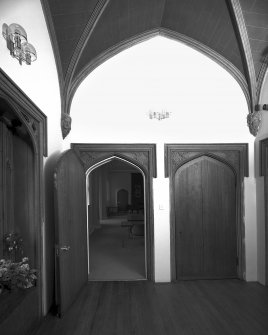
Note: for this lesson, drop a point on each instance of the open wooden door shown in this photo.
(71, 230)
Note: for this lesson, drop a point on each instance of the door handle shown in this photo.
(65, 248)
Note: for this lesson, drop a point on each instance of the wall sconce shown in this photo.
(159, 115)
(17, 44)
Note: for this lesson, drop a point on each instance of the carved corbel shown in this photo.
(66, 122)
(254, 122)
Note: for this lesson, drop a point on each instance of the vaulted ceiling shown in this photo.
(85, 33)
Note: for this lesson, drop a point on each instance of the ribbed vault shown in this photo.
(85, 33)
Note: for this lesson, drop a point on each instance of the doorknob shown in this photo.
(65, 248)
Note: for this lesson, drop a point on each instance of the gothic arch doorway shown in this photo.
(71, 215)
(116, 227)
(206, 194)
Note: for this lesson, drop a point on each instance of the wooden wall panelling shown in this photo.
(141, 155)
(236, 156)
(24, 196)
(27, 311)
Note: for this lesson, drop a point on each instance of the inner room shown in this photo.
(116, 222)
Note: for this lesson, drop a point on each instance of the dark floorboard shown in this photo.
(227, 307)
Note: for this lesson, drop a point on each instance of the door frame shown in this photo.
(36, 124)
(141, 155)
(233, 154)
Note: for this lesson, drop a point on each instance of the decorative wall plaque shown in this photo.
(254, 122)
(66, 122)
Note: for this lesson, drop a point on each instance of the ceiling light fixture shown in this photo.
(159, 115)
(16, 39)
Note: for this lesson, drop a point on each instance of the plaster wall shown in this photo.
(39, 80)
(207, 106)
(40, 83)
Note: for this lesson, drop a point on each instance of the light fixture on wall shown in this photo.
(16, 39)
(159, 115)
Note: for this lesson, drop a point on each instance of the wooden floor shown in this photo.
(142, 308)
(113, 255)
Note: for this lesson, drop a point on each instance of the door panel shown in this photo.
(188, 211)
(71, 229)
(205, 220)
(219, 220)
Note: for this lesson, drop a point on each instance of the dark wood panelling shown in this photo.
(27, 312)
(142, 156)
(24, 195)
(221, 307)
(233, 155)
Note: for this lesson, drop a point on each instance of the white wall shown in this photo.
(207, 106)
(40, 82)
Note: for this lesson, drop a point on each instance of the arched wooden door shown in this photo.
(71, 229)
(205, 220)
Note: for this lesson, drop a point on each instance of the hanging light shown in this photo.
(159, 115)
(16, 39)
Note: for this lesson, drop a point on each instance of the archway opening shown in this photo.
(116, 221)
(206, 104)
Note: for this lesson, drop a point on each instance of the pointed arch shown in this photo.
(116, 49)
(143, 157)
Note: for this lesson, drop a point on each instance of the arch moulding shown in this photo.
(141, 155)
(116, 49)
(234, 155)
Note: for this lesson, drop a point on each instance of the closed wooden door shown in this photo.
(205, 220)
(71, 229)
